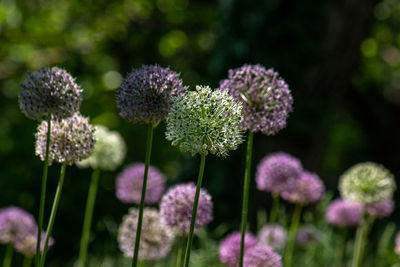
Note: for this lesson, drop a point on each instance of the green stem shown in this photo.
(292, 235)
(179, 253)
(53, 213)
(9, 255)
(27, 262)
(275, 208)
(87, 221)
(361, 234)
(246, 189)
(141, 207)
(43, 194)
(341, 247)
(194, 211)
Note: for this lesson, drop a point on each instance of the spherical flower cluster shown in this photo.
(272, 235)
(156, 238)
(145, 94)
(344, 213)
(229, 248)
(308, 189)
(397, 244)
(176, 208)
(71, 140)
(367, 183)
(277, 171)
(261, 256)
(307, 234)
(50, 93)
(205, 121)
(27, 245)
(380, 209)
(109, 150)
(15, 223)
(265, 96)
(130, 183)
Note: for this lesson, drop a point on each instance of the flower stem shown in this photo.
(43, 194)
(8, 256)
(341, 247)
(292, 235)
(142, 199)
(53, 213)
(194, 211)
(87, 221)
(181, 244)
(27, 262)
(361, 236)
(246, 189)
(275, 208)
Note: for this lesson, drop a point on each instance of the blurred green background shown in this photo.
(341, 59)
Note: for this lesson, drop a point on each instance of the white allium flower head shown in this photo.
(109, 150)
(205, 121)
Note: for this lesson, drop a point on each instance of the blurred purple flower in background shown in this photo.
(344, 213)
(380, 209)
(307, 234)
(229, 247)
(261, 256)
(308, 189)
(27, 244)
(15, 223)
(272, 235)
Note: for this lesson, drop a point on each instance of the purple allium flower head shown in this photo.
(272, 235)
(344, 213)
(380, 209)
(155, 241)
(177, 204)
(308, 189)
(229, 247)
(261, 256)
(130, 184)
(307, 234)
(397, 244)
(27, 245)
(15, 223)
(49, 93)
(71, 140)
(145, 94)
(265, 96)
(277, 171)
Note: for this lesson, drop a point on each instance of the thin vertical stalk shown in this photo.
(275, 209)
(361, 234)
(288, 259)
(142, 199)
(246, 189)
(341, 247)
(8, 256)
(194, 211)
(27, 262)
(53, 213)
(43, 194)
(181, 244)
(87, 221)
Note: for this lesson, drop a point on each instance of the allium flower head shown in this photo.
(307, 234)
(277, 171)
(176, 208)
(397, 244)
(71, 140)
(130, 184)
(229, 248)
(367, 183)
(49, 93)
(265, 96)
(156, 238)
(261, 256)
(109, 150)
(27, 245)
(205, 121)
(344, 213)
(308, 189)
(380, 209)
(15, 223)
(272, 235)
(145, 94)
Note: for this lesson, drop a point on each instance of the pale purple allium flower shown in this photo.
(272, 235)
(156, 238)
(261, 256)
(130, 184)
(397, 244)
(277, 171)
(145, 94)
(49, 93)
(27, 245)
(176, 208)
(380, 209)
(71, 140)
(229, 247)
(15, 223)
(307, 234)
(308, 189)
(344, 213)
(265, 96)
